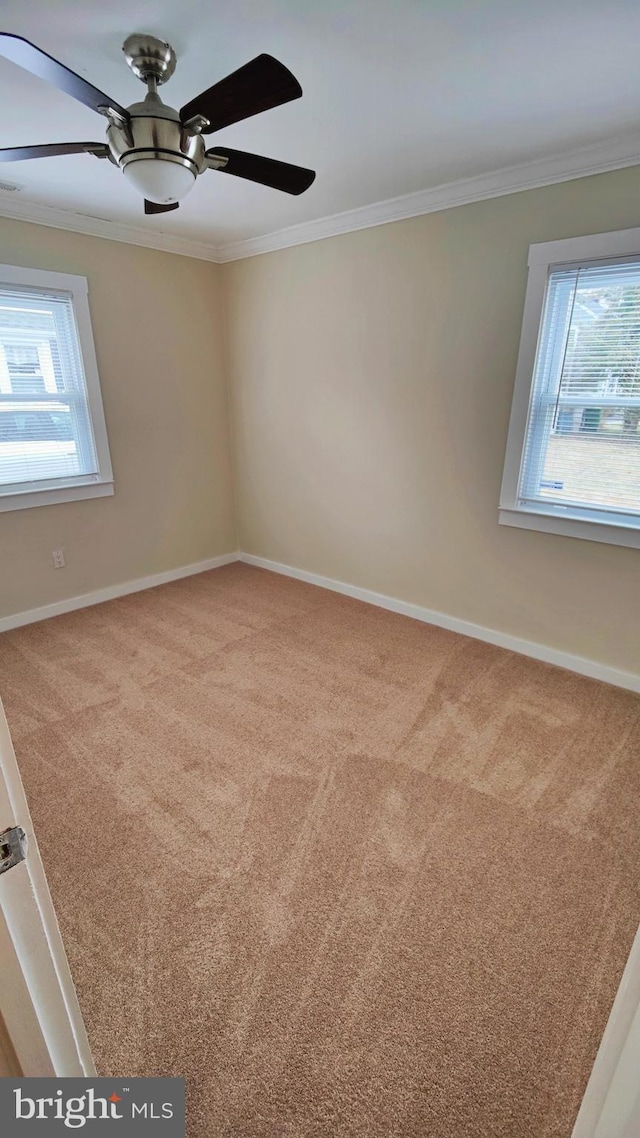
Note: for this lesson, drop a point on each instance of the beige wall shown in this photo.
(8, 1062)
(372, 377)
(156, 323)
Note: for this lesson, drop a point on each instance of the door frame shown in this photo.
(37, 996)
(611, 1104)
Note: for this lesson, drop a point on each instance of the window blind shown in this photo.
(582, 443)
(46, 438)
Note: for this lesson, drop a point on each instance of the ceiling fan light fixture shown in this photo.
(159, 178)
(160, 150)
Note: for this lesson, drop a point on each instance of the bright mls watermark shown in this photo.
(123, 1107)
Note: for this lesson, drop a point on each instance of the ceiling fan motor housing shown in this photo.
(149, 57)
(154, 133)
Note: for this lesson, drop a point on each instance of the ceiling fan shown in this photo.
(161, 151)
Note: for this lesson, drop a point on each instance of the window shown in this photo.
(53, 441)
(573, 452)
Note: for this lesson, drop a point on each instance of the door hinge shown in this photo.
(13, 848)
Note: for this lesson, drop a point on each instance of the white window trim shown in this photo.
(86, 486)
(622, 243)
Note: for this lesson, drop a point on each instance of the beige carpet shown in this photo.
(348, 873)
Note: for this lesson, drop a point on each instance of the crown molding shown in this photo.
(99, 227)
(614, 154)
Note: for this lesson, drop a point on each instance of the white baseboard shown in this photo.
(30, 616)
(579, 664)
(585, 667)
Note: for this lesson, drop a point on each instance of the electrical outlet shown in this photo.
(58, 559)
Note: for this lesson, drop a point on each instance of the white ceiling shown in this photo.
(399, 96)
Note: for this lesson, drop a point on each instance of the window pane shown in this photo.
(45, 430)
(583, 439)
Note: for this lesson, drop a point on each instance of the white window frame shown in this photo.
(574, 522)
(97, 485)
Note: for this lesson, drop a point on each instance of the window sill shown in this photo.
(28, 498)
(571, 527)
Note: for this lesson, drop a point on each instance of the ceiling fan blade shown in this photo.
(27, 55)
(52, 150)
(155, 207)
(258, 86)
(267, 171)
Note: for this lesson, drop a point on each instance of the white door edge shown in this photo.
(37, 994)
(611, 1104)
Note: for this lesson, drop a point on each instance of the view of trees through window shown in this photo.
(591, 448)
(603, 351)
